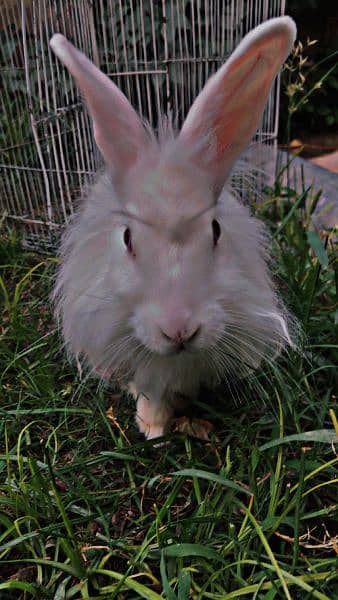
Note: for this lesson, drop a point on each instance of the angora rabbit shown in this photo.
(163, 280)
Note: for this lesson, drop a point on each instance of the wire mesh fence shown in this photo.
(158, 52)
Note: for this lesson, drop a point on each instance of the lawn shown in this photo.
(89, 509)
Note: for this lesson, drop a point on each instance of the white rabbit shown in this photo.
(163, 279)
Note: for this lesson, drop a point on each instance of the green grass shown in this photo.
(89, 509)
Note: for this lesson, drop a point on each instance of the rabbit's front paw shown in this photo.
(154, 431)
(153, 418)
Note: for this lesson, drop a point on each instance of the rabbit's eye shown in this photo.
(216, 231)
(127, 240)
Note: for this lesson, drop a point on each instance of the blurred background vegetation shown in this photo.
(315, 120)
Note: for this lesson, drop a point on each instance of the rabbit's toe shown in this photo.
(153, 418)
(154, 431)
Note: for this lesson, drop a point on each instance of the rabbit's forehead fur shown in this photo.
(171, 207)
(168, 191)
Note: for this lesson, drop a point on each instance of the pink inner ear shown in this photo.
(230, 133)
(226, 113)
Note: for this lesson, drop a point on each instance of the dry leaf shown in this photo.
(198, 428)
(111, 417)
(61, 485)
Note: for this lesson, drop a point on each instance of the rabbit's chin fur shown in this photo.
(114, 304)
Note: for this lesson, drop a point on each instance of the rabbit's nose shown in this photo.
(181, 336)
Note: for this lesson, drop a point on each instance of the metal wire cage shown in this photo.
(158, 52)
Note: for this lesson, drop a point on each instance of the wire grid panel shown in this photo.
(47, 150)
(158, 52)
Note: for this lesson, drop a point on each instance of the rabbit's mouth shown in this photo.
(181, 349)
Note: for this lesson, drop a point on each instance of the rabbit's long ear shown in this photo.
(118, 130)
(226, 113)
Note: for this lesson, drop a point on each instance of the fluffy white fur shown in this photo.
(120, 310)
